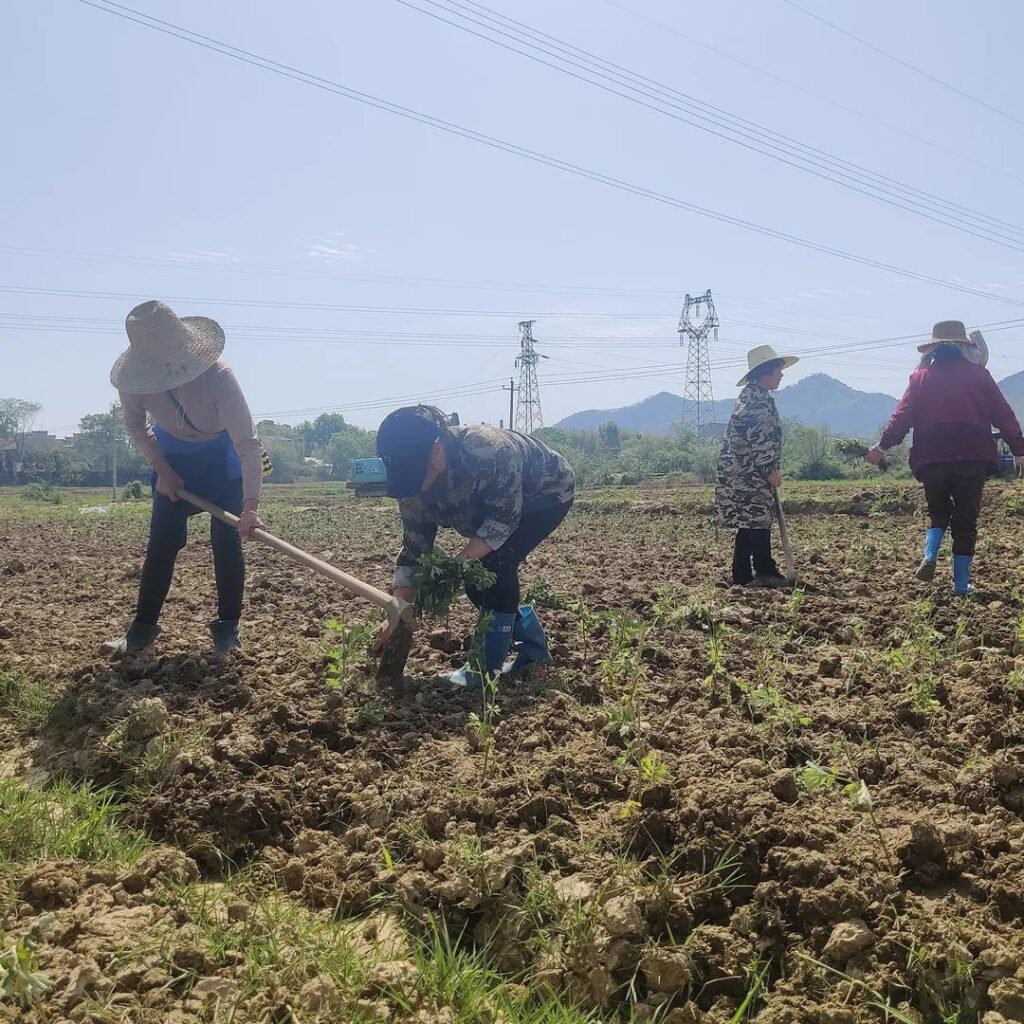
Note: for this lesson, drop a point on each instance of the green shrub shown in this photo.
(44, 493)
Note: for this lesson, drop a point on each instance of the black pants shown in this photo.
(752, 553)
(534, 527)
(168, 531)
(953, 492)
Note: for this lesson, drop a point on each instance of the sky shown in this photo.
(360, 260)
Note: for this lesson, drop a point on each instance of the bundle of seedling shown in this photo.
(439, 579)
(849, 449)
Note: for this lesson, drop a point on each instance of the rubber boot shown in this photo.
(225, 636)
(932, 541)
(529, 642)
(497, 642)
(962, 575)
(138, 638)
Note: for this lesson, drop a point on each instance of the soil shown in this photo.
(834, 809)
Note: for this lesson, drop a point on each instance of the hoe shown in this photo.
(393, 657)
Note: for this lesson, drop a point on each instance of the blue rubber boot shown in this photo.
(497, 642)
(529, 642)
(932, 541)
(962, 575)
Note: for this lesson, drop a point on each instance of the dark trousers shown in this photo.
(534, 527)
(953, 492)
(752, 553)
(168, 531)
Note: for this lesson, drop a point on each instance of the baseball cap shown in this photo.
(405, 440)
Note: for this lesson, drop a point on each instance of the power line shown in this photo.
(449, 127)
(613, 78)
(811, 92)
(905, 64)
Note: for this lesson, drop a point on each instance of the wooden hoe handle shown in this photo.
(396, 609)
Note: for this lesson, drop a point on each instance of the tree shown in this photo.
(610, 435)
(99, 434)
(16, 419)
(319, 433)
(348, 444)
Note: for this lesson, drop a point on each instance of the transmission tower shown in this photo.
(697, 324)
(528, 415)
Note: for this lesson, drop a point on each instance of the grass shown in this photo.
(63, 821)
(26, 701)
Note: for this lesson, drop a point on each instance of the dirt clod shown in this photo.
(848, 939)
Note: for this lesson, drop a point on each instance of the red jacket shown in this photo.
(952, 408)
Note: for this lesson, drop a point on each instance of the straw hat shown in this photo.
(757, 357)
(166, 350)
(947, 332)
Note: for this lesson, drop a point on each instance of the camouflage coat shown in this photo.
(751, 450)
(493, 477)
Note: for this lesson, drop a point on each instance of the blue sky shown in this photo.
(139, 166)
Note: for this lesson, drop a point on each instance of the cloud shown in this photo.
(334, 249)
(202, 256)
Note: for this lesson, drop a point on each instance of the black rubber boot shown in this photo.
(225, 636)
(138, 638)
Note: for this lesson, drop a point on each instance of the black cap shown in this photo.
(404, 441)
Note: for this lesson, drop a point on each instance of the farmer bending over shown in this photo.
(506, 492)
(200, 436)
(951, 403)
(748, 470)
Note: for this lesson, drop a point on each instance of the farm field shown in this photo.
(722, 805)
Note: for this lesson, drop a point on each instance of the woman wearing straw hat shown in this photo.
(748, 469)
(200, 436)
(951, 404)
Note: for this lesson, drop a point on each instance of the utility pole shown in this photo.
(697, 323)
(511, 389)
(113, 473)
(528, 414)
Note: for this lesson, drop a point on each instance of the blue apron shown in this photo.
(205, 466)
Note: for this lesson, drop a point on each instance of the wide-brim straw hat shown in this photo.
(165, 351)
(947, 332)
(757, 357)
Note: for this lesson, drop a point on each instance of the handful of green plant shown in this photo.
(440, 578)
(851, 450)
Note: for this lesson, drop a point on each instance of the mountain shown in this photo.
(1013, 388)
(816, 400)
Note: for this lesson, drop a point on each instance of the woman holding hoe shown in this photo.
(951, 404)
(504, 491)
(748, 470)
(200, 436)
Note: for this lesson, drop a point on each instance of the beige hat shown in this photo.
(948, 332)
(758, 357)
(166, 350)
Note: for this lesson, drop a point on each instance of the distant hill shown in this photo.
(816, 400)
(1013, 388)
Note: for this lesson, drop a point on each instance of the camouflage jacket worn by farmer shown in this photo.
(751, 451)
(493, 477)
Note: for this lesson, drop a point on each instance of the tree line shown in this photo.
(323, 449)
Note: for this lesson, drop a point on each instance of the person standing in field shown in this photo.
(748, 470)
(951, 404)
(504, 491)
(199, 436)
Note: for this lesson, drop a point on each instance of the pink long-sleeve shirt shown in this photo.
(952, 408)
(213, 403)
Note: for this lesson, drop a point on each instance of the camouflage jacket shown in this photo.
(751, 451)
(493, 477)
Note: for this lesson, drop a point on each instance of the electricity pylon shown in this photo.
(697, 324)
(528, 415)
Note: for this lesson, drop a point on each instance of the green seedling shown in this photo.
(347, 646)
(439, 578)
